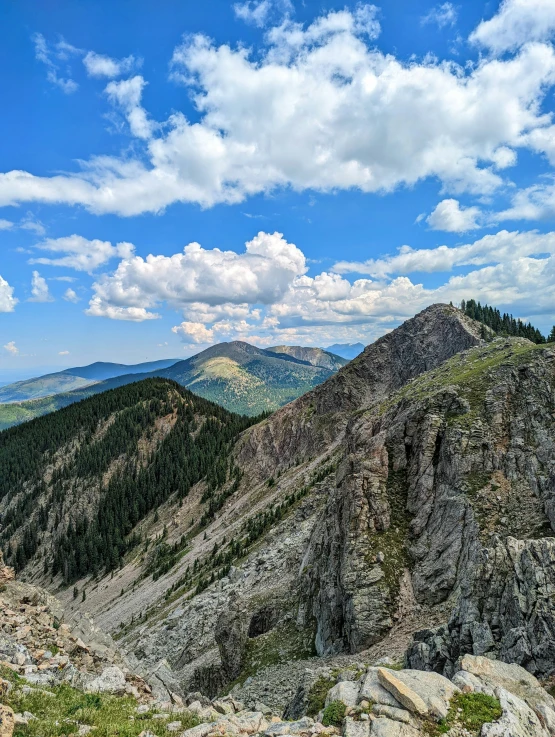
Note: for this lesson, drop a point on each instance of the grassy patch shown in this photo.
(469, 711)
(317, 695)
(334, 713)
(282, 644)
(393, 541)
(60, 714)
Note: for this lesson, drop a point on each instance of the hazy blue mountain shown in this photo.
(75, 378)
(346, 350)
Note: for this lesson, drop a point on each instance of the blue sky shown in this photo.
(330, 169)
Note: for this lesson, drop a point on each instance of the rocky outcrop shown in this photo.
(505, 611)
(512, 703)
(316, 420)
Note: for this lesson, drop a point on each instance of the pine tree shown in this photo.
(551, 338)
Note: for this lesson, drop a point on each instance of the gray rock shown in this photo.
(398, 715)
(517, 720)
(351, 728)
(372, 690)
(111, 680)
(345, 691)
(434, 690)
(384, 727)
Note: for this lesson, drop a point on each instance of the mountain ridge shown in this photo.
(238, 375)
(361, 520)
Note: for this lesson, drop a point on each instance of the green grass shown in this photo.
(476, 709)
(283, 643)
(317, 695)
(60, 714)
(334, 714)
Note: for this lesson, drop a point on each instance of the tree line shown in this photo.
(504, 324)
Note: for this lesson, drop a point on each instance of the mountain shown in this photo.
(314, 356)
(237, 375)
(400, 512)
(75, 378)
(346, 350)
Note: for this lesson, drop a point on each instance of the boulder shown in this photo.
(372, 690)
(517, 720)
(403, 693)
(384, 727)
(355, 729)
(434, 690)
(391, 712)
(7, 721)
(345, 691)
(111, 680)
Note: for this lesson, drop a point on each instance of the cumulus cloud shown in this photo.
(339, 115)
(6, 224)
(441, 15)
(127, 94)
(63, 353)
(39, 289)
(99, 65)
(194, 333)
(265, 296)
(517, 22)
(70, 295)
(452, 218)
(261, 274)
(81, 254)
(12, 348)
(7, 300)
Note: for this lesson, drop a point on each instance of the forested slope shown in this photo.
(75, 483)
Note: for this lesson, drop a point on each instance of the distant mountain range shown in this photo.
(346, 350)
(236, 375)
(75, 378)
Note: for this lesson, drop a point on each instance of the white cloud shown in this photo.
(532, 203)
(12, 348)
(70, 295)
(7, 300)
(449, 216)
(47, 55)
(264, 295)
(261, 274)
(517, 22)
(99, 65)
(194, 333)
(253, 12)
(63, 353)
(39, 289)
(29, 223)
(6, 224)
(127, 94)
(339, 115)
(502, 247)
(81, 254)
(442, 15)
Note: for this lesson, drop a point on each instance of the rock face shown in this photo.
(318, 418)
(505, 611)
(434, 455)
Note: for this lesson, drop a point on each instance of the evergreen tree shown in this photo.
(551, 338)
